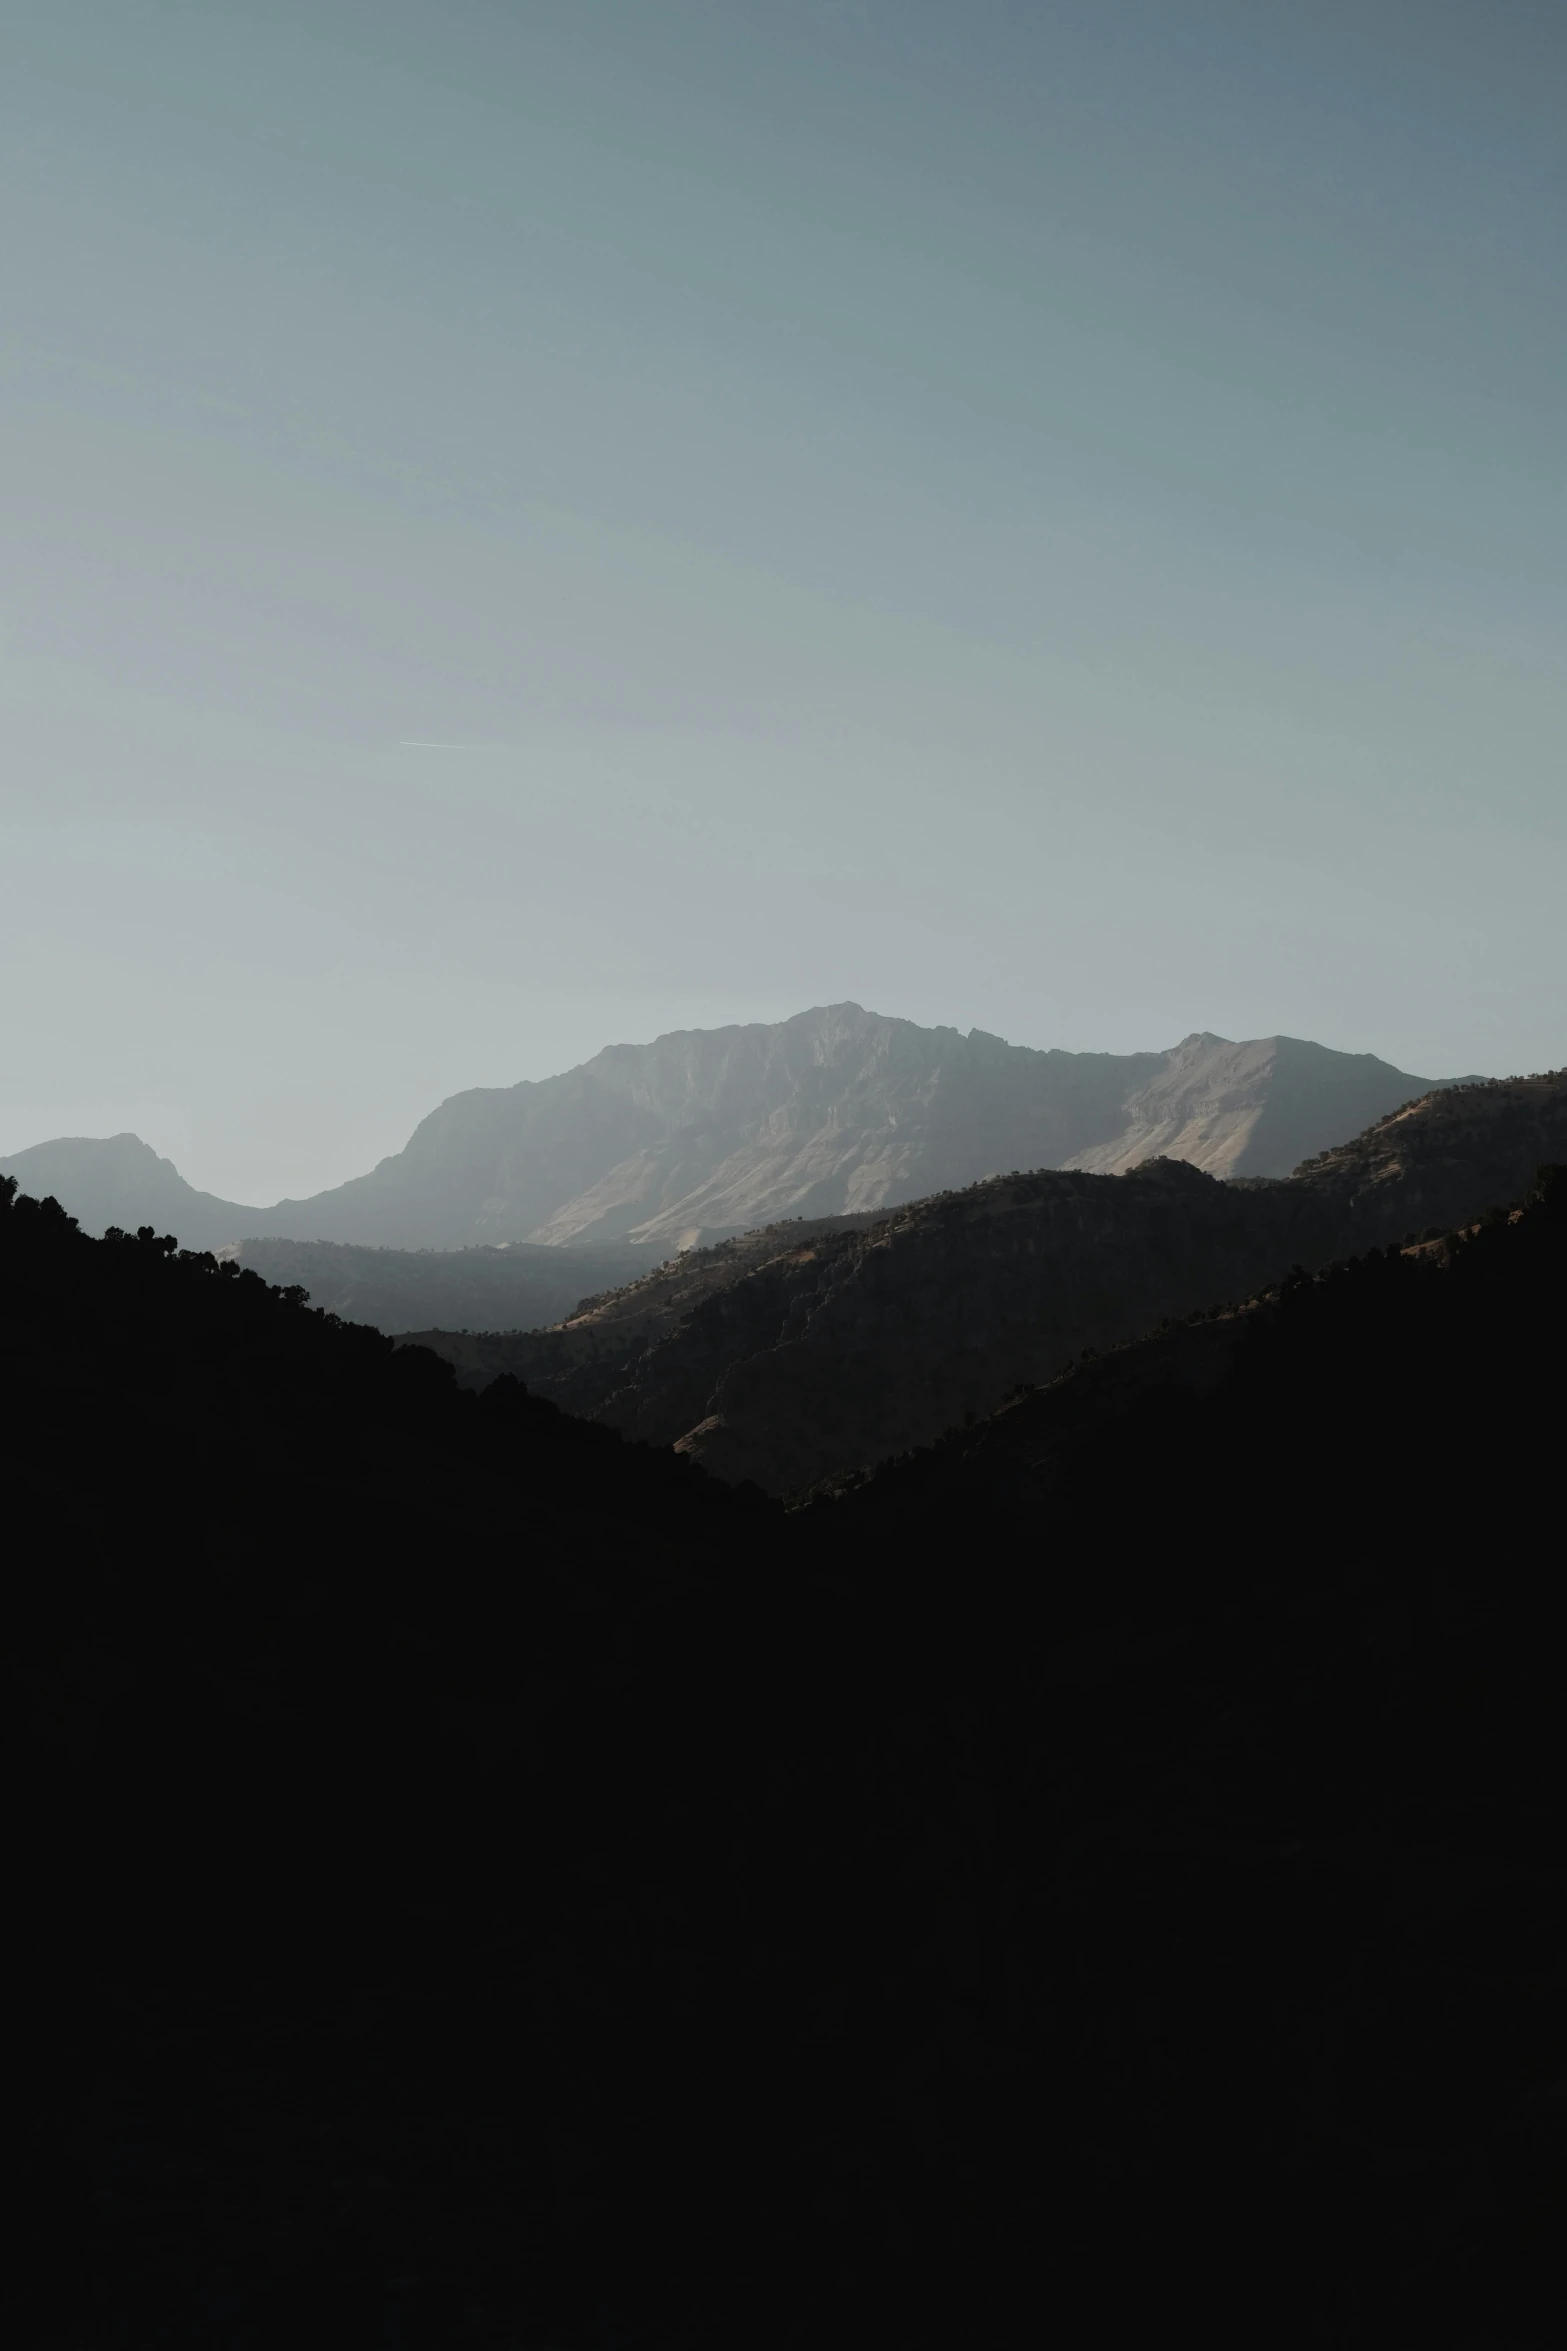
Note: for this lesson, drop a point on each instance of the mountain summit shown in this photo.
(712, 1131)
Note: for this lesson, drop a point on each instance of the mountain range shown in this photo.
(708, 1132)
(802, 1350)
(479, 1881)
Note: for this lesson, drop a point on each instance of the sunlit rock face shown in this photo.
(712, 1131)
(663, 1147)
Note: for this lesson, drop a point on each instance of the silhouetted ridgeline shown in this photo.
(479, 1882)
(803, 1350)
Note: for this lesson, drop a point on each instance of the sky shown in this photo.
(524, 526)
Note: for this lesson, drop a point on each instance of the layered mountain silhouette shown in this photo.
(479, 1881)
(708, 1132)
(802, 1350)
(105, 1180)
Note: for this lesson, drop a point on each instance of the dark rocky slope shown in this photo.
(683, 1313)
(805, 1351)
(478, 1883)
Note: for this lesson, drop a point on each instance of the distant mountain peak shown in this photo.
(837, 1110)
(119, 1179)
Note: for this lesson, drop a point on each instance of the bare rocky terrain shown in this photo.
(709, 1132)
(806, 1350)
(1253, 1109)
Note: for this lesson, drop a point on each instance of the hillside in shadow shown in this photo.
(397, 1290)
(807, 1349)
(482, 1882)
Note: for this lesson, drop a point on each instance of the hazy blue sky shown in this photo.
(529, 525)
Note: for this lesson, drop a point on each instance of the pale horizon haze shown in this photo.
(529, 526)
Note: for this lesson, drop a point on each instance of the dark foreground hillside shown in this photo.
(480, 1882)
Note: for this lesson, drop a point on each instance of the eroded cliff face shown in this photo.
(1252, 1109)
(803, 1350)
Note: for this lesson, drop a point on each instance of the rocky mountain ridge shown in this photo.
(703, 1133)
(807, 1350)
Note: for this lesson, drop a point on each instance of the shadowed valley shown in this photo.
(485, 1881)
